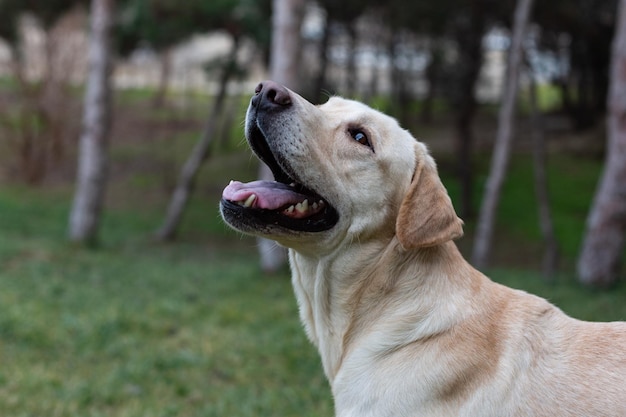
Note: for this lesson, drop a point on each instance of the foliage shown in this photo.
(38, 119)
(48, 12)
(9, 9)
(581, 30)
(164, 23)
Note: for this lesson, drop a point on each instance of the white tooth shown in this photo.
(321, 203)
(303, 207)
(290, 209)
(249, 201)
(315, 206)
(293, 184)
(231, 182)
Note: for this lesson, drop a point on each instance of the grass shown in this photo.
(138, 337)
(138, 328)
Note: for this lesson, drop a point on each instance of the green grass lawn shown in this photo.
(144, 329)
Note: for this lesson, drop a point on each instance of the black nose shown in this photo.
(270, 95)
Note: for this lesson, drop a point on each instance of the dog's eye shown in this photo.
(360, 137)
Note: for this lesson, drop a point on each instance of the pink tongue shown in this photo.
(270, 195)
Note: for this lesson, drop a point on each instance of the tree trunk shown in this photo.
(371, 90)
(320, 78)
(165, 64)
(469, 41)
(93, 147)
(352, 75)
(432, 72)
(598, 263)
(199, 154)
(464, 166)
(502, 147)
(399, 96)
(287, 18)
(551, 251)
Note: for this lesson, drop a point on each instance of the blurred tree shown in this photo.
(238, 19)
(287, 18)
(38, 124)
(580, 32)
(504, 137)
(458, 77)
(201, 151)
(10, 11)
(93, 153)
(603, 243)
(162, 24)
(540, 177)
(286, 42)
(468, 28)
(47, 12)
(427, 21)
(319, 82)
(345, 14)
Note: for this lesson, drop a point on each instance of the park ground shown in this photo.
(135, 327)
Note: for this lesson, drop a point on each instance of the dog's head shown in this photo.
(343, 172)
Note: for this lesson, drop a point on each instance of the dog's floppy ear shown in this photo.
(427, 217)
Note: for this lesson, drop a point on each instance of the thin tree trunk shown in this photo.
(432, 77)
(272, 256)
(396, 80)
(352, 74)
(464, 166)
(320, 79)
(551, 250)
(371, 90)
(199, 154)
(93, 148)
(287, 18)
(603, 243)
(165, 64)
(469, 40)
(231, 108)
(502, 147)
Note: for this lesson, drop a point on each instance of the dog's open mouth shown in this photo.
(284, 202)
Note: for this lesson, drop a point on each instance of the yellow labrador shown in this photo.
(403, 324)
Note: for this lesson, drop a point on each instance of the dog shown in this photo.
(403, 324)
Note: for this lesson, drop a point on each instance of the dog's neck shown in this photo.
(336, 312)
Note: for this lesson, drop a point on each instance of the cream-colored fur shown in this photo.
(403, 324)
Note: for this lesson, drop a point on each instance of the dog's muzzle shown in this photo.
(286, 203)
